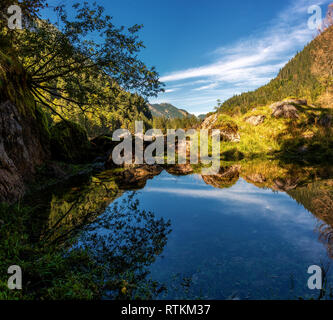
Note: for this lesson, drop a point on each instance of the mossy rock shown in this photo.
(14, 85)
(69, 143)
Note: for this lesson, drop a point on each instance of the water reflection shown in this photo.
(249, 232)
(124, 242)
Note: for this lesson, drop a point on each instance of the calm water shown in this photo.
(241, 242)
(231, 236)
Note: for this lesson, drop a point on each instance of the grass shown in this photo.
(280, 138)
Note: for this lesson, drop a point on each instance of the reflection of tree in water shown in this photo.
(123, 242)
(324, 205)
(317, 197)
(69, 212)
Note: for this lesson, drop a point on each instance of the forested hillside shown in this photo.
(167, 110)
(308, 75)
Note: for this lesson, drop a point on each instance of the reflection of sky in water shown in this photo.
(241, 241)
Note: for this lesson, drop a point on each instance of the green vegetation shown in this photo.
(304, 76)
(97, 84)
(75, 90)
(305, 139)
(165, 123)
(110, 265)
(308, 138)
(69, 142)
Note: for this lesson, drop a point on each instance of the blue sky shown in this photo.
(206, 50)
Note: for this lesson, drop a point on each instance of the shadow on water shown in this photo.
(126, 239)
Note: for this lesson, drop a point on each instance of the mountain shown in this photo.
(308, 75)
(290, 118)
(167, 110)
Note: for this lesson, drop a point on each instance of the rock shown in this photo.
(287, 111)
(287, 108)
(54, 171)
(229, 132)
(255, 120)
(209, 122)
(24, 134)
(21, 149)
(69, 143)
(301, 102)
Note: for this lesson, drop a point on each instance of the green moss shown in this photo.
(69, 142)
(14, 85)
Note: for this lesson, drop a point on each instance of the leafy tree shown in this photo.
(79, 63)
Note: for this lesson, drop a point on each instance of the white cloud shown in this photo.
(246, 64)
(171, 90)
(210, 86)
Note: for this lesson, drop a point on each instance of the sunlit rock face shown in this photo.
(287, 111)
(287, 108)
(255, 120)
(209, 122)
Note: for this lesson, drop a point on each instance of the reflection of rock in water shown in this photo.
(285, 184)
(226, 177)
(136, 176)
(180, 169)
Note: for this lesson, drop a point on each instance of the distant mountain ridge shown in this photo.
(167, 110)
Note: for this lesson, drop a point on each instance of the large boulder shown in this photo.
(69, 143)
(286, 111)
(209, 122)
(255, 120)
(295, 102)
(229, 132)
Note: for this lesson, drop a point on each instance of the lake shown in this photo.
(250, 232)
